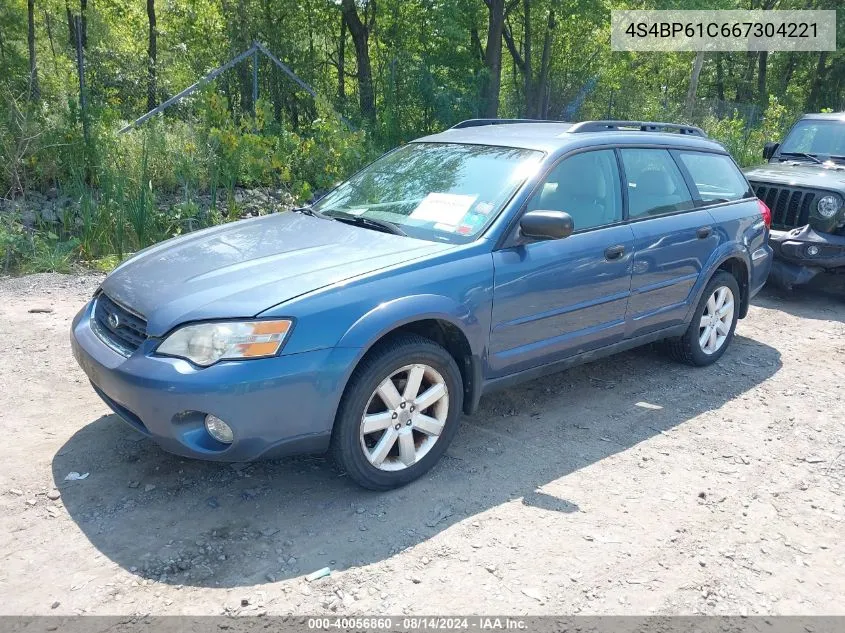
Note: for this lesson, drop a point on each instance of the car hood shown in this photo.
(800, 174)
(240, 269)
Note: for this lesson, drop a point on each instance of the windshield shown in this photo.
(436, 191)
(820, 138)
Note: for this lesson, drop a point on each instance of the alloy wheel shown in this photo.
(716, 320)
(404, 417)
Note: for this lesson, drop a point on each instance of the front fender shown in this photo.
(373, 325)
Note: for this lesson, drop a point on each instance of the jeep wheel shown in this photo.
(713, 324)
(398, 414)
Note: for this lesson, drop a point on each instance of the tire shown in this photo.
(688, 348)
(357, 452)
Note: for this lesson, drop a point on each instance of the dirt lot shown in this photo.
(566, 495)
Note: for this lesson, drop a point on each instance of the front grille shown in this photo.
(790, 206)
(117, 326)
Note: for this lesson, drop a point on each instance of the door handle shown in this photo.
(614, 252)
(704, 232)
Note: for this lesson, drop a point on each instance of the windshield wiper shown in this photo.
(307, 209)
(804, 154)
(370, 223)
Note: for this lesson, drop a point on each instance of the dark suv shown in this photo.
(464, 261)
(804, 186)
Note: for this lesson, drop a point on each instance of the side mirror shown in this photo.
(769, 149)
(546, 225)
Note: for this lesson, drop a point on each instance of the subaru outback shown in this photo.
(804, 185)
(465, 261)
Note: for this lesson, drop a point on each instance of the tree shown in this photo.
(360, 32)
(152, 99)
(535, 86)
(341, 64)
(493, 58)
(34, 92)
(813, 98)
(693, 83)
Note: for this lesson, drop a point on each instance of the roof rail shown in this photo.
(480, 122)
(642, 126)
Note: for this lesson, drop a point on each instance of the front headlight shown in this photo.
(206, 343)
(828, 206)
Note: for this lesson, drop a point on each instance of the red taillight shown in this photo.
(766, 213)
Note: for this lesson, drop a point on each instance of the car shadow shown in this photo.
(187, 522)
(822, 299)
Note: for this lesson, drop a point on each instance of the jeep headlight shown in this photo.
(206, 343)
(828, 206)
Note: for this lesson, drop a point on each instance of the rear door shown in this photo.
(556, 298)
(673, 239)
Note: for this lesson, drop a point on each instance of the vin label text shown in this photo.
(681, 30)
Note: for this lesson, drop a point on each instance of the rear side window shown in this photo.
(655, 184)
(716, 176)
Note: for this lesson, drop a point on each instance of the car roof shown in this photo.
(555, 137)
(825, 116)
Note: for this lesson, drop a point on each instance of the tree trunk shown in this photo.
(475, 39)
(48, 22)
(791, 62)
(762, 67)
(244, 74)
(693, 84)
(493, 59)
(152, 88)
(528, 71)
(71, 26)
(720, 77)
(83, 10)
(812, 104)
(341, 64)
(743, 91)
(34, 92)
(360, 33)
(542, 88)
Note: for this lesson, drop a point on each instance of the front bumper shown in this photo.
(794, 265)
(792, 246)
(276, 406)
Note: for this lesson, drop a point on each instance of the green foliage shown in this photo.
(180, 170)
(744, 142)
(115, 181)
(34, 251)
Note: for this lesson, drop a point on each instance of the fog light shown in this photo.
(812, 250)
(218, 429)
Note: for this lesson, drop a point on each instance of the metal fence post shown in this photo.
(254, 80)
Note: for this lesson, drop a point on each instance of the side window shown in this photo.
(716, 176)
(586, 186)
(655, 184)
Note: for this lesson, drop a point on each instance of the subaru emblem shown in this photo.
(114, 321)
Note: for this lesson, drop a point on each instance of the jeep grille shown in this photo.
(790, 206)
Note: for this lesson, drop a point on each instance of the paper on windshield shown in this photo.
(443, 208)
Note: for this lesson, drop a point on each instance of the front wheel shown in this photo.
(712, 327)
(398, 414)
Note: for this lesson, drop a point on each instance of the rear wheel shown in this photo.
(712, 327)
(399, 413)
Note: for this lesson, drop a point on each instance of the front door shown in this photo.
(557, 298)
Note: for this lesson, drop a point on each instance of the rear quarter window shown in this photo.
(655, 184)
(716, 177)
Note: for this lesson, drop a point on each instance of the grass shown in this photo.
(115, 181)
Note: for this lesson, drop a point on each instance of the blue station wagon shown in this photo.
(367, 323)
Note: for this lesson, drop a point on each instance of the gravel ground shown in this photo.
(628, 486)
